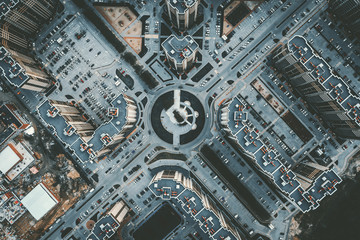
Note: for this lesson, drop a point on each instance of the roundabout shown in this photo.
(177, 117)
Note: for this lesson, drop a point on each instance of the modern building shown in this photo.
(308, 172)
(347, 11)
(87, 141)
(171, 184)
(119, 211)
(74, 118)
(39, 201)
(306, 185)
(11, 208)
(20, 20)
(183, 13)
(9, 157)
(329, 95)
(14, 159)
(11, 122)
(22, 71)
(5, 194)
(10, 115)
(106, 227)
(181, 53)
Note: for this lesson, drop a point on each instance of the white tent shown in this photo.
(39, 201)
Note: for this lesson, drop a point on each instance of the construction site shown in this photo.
(38, 182)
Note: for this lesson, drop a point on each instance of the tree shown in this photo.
(130, 58)
(149, 80)
(138, 68)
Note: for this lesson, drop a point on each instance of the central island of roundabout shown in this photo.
(177, 117)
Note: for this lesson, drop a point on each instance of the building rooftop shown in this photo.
(335, 86)
(104, 228)
(4, 196)
(39, 201)
(179, 49)
(11, 70)
(12, 209)
(182, 5)
(268, 159)
(9, 157)
(27, 159)
(8, 118)
(105, 131)
(10, 122)
(194, 205)
(6, 134)
(6, 6)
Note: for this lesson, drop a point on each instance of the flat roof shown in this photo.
(179, 49)
(182, 5)
(26, 160)
(8, 116)
(268, 160)
(6, 6)
(39, 201)
(335, 86)
(8, 158)
(11, 70)
(110, 128)
(104, 228)
(193, 205)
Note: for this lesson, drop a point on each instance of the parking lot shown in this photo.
(86, 74)
(90, 72)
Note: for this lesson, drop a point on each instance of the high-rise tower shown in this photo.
(181, 53)
(183, 13)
